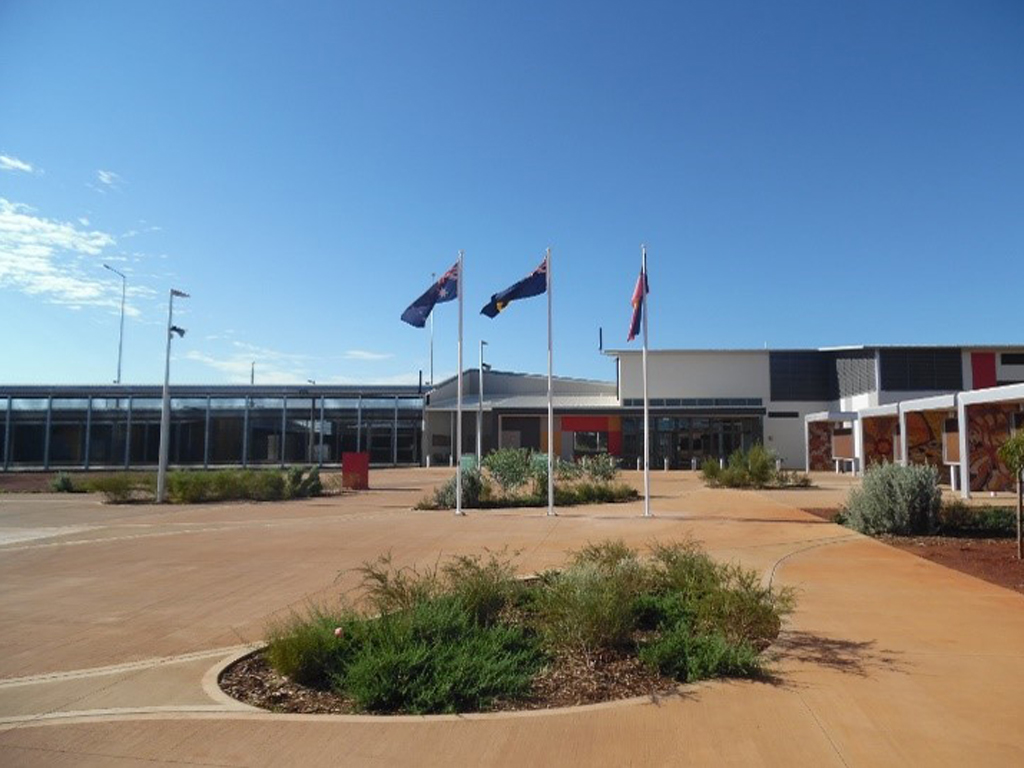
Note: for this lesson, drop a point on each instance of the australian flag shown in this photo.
(533, 284)
(445, 289)
(639, 293)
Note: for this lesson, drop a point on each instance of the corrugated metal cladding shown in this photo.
(855, 372)
(908, 369)
(820, 376)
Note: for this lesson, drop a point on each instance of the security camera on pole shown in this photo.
(165, 414)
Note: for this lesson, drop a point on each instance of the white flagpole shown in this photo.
(433, 279)
(551, 409)
(458, 419)
(647, 418)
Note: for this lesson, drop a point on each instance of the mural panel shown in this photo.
(819, 445)
(989, 427)
(878, 442)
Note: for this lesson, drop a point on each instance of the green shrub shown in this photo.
(509, 467)
(601, 467)
(586, 608)
(483, 587)
(262, 485)
(895, 499)
(1012, 453)
(473, 488)
(436, 658)
(710, 471)
(123, 487)
(958, 519)
(389, 589)
(760, 465)
(686, 657)
(306, 649)
(62, 483)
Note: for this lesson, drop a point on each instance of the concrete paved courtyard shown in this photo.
(115, 619)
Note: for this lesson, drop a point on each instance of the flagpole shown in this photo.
(458, 419)
(433, 279)
(551, 410)
(647, 419)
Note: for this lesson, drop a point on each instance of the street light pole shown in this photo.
(120, 336)
(480, 410)
(165, 413)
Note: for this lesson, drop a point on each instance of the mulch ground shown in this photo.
(566, 682)
(993, 560)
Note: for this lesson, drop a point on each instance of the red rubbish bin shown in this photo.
(355, 471)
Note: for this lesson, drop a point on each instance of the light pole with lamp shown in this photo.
(165, 413)
(480, 410)
(120, 336)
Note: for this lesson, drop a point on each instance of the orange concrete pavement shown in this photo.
(115, 619)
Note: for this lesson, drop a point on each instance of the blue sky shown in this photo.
(804, 174)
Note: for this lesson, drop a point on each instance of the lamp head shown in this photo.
(180, 331)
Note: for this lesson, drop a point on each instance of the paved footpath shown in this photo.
(115, 621)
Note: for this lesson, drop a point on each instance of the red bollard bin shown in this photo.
(355, 471)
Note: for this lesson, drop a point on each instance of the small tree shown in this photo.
(1012, 454)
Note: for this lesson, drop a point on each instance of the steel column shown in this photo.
(245, 434)
(284, 428)
(206, 436)
(46, 437)
(359, 424)
(88, 433)
(320, 458)
(394, 436)
(7, 434)
(128, 435)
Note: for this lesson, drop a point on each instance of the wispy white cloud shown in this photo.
(362, 354)
(411, 377)
(84, 221)
(57, 261)
(8, 163)
(109, 178)
(271, 366)
(234, 359)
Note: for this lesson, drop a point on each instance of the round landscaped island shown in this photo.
(468, 635)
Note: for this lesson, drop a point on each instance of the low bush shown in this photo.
(601, 467)
(123, 487)
(509, 468)
(62, 483)
(957, 519)
(710, 471)
(895, 499)
(753, 468)
(473, 490)
(461, 635)
(199, 486)
(436, 658)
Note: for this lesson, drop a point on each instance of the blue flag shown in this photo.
(445, 289)
(534, 284)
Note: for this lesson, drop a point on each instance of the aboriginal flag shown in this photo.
(642, 288)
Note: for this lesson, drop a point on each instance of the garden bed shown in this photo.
(992, 559)
(468, 636)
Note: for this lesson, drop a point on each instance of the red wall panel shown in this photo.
(983, 369)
